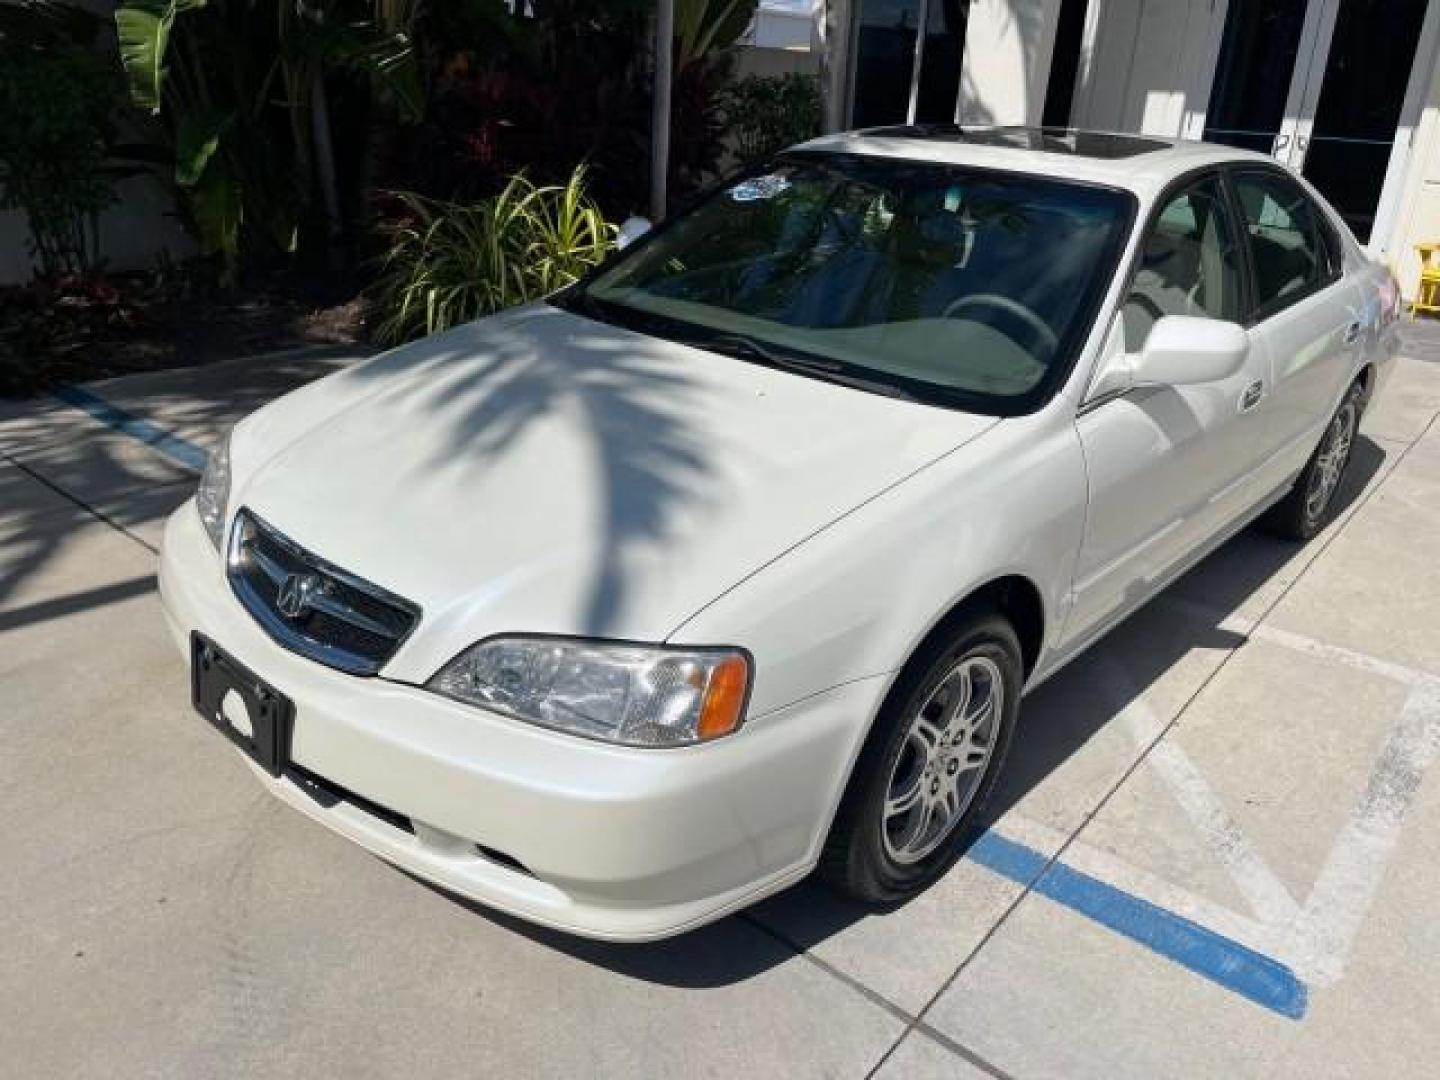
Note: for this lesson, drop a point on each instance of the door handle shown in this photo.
(1252, 395)
(1352, 333)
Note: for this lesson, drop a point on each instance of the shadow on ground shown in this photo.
(61, 471)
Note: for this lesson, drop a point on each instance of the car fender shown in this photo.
(858, 598)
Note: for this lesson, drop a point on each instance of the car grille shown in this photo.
(312, 607)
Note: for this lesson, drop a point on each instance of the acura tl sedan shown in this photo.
(734, 560)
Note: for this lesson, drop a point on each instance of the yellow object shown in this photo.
(1427, 295)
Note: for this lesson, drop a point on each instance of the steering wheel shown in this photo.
(1036, 325)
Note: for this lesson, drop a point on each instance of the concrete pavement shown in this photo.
(1215, 854)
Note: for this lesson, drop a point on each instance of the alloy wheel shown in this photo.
(948, 745)
(1330, 463)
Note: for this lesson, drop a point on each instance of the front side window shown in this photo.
(1189, 264)
(1283, 229)
(958, 286)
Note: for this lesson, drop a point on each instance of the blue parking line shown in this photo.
(179, 450)
(1225, 962)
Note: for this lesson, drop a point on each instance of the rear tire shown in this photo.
(928, 766)
(1305, 509)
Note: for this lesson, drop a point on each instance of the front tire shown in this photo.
(928, 766)
(1304, 511)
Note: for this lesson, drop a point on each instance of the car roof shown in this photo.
(1138, 163)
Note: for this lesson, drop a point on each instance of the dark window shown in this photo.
(886, 57)
(940, 66)
(1330, 246)
(1253, 73)
(1189, 263)
(1366, 73)
(884, 61)
(1284, 231)
(1064, 63)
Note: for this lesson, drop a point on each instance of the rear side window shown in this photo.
(1291, 254)
(1189, 263)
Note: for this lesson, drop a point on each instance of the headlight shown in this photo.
(213, 494)
(632, 694)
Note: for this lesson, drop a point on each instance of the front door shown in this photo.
(1326, 87)
(1168, 466)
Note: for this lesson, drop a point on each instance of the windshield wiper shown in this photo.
(728, 343)
(744, 347)
(747, 348)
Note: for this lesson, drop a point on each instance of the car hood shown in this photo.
(540, 472)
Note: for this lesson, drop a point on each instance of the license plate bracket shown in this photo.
(214, 674)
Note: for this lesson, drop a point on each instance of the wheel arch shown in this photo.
(1016, 597)
(1013, 595)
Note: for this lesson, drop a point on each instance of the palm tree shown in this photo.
(212, 71)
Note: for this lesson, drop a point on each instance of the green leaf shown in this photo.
(143, 28)
(197, 137)
(703, 27)
(392, 63)
(451, 262)
(217, 205)
(388, 59)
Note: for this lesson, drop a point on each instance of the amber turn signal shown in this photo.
(724, 704)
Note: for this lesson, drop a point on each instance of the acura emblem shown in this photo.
(295, 595)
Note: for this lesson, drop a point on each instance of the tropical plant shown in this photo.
(242, 88)
(706, 33)
(449, 263)
(57, 104)
(768, 113)
(537, 90)
(706, 27)
(697, 124)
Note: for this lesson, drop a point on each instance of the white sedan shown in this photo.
(622, 610)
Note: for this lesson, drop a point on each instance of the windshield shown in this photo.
(949, 284)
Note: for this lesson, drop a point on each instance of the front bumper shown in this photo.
(604, 841)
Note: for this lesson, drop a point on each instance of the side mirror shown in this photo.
(1182, 349)
(631, 230)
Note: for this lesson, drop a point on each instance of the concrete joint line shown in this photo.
(96, 514)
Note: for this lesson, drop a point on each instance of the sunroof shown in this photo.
(1091, 144)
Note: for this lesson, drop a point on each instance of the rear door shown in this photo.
(1306, 317)
(1169, 466)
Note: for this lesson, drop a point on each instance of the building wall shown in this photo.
(136, 231)
(784, 24)
(754, 60)
(1006, 61)
(1418, 217)
(139, 229)
(1145, 64)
